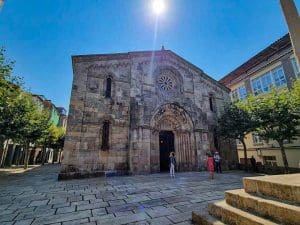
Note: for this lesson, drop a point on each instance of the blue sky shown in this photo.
(215, 35)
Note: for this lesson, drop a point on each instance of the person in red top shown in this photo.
(210, 165)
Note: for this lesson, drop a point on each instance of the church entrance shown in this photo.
(166, 145)
(171, 130)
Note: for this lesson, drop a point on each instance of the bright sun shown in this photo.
(158, 6)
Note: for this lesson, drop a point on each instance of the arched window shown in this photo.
(105, 135)
(108, 88)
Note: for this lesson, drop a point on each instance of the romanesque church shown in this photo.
(128, 111)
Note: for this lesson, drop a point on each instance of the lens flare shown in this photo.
(158, 6)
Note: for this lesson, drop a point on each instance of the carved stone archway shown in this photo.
(172, 117)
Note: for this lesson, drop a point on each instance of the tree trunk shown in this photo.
(3, 155)
(1, 150)
(245, 155)
(285, 162)
(43, 154)
(26, 158)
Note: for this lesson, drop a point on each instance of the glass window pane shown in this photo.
(234, 95)
(242, 93)
(266, 81)
(279, 76)
(256, 85)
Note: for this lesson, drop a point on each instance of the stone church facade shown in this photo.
(129, 110)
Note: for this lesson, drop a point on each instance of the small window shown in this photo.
(270, 160)
(234, 95)
(279, 77)
(242, 93)
(108, 88)
(211, 103)
(256, 138)
(105, 135)
(266, 81)
(256, 85)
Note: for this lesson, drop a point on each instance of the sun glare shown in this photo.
(158, 6)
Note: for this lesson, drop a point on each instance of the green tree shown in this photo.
(235, 123)
(33, 123)
(10, 89)
(50, 139)
(277, 116)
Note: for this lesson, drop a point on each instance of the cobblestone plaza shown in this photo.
(36, 197)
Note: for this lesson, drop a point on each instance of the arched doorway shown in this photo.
(166, 145)
(172, 130)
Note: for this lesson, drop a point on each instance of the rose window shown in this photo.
(165, 83)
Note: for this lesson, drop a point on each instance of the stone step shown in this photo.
(203, 218)
(283, 187)
(233, 216)
(274, 210)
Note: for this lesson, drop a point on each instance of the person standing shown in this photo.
(253, 164)
(210, 165)
(172, 164)
(217, 159)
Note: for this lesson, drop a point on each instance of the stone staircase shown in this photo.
(265, 200)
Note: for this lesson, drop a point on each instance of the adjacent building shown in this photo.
(274, 66)
(128, 111)
(57, 116)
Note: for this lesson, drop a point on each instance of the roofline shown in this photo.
(128, 55)
(254, 61)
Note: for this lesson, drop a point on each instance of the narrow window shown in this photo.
(211, 103)
(108, 88)
(216, 141)
(105, 135)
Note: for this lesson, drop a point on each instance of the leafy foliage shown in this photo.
(21, 119)
(276, 115)
(236, 123)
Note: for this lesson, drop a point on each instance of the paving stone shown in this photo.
(126, 213)
(160, 221)
(39, 203)
(89, 197)
(101, 217)
(62, 217)
(81, 203)
(153, 203)
(180, 217)
(161, 212)
(98, 212)
(76, 222)
(66, 209)
(92, 206)
(61, 205)
(124, 219)
(122, 208)
(116, 202)
(7, 223)
(24, 222)
(151, 199)
(8, 217)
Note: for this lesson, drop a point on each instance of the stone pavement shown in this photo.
(36, 197)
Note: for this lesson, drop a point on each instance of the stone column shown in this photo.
(293, 22)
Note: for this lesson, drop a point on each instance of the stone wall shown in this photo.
(150, 92)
